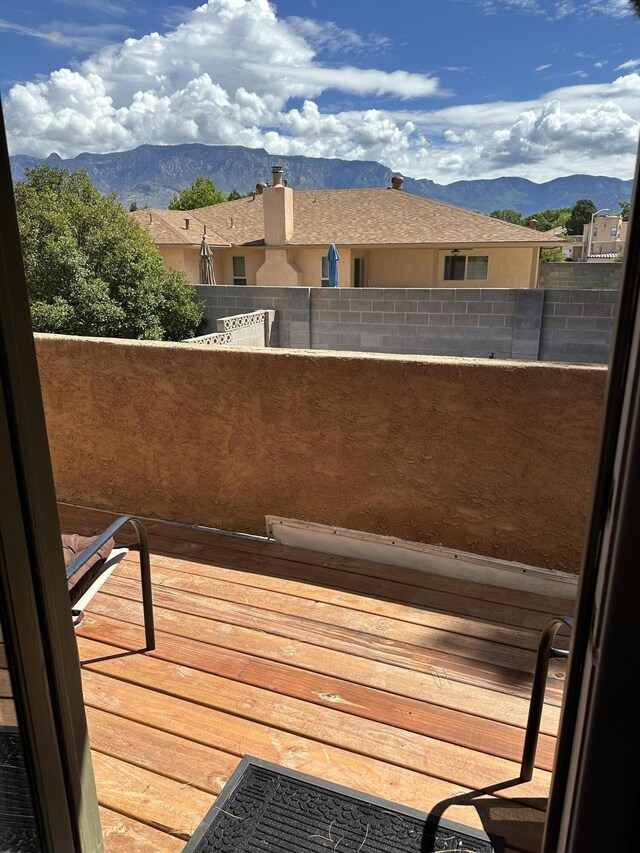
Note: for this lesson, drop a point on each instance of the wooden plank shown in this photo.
(149, 794)
(8, 713)
(164, 804)
(122, 834)
(364, 737)
(177, 758)
(460, 727)
(141, 745)
(6, 691)
(382, 649)
(225, 625)
(392, 631)
(469, 605)
(483, 629)
(92, 521)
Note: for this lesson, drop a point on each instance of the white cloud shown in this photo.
(542, 67)
(227, 70)
(554, 10)
(331, 38)
(629, 64)
(103, 6)
(591, 129)
(85, 37)
(227, 75)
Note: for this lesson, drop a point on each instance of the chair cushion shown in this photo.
(81, 580)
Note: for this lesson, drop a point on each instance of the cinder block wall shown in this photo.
(512, 323)
(291, 304)
(582, 276)
(439, 321)
(578, 325)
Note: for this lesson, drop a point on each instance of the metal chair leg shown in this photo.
(145, 579)
(545, 652)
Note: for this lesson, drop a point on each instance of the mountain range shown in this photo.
(151, 174)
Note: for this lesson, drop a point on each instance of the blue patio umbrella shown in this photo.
(333, 257)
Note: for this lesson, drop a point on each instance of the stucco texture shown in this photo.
(483, 456)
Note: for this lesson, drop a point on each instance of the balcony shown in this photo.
(402, 682)
(413, 689)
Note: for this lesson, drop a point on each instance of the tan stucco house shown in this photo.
(602, 240)
(385, 238)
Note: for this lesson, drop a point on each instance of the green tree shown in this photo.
(552, 256)
(234, 195)
(635, 5)
(201, 193)
(133, 206)
(90, 268)
(581, 214)
(552, 217)
(507, 215)
(625, 206)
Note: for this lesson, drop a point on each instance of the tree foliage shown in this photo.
(551, 217)
(581, 214)
(90, 268)
(507, 215)
(201, 193)
(552, 256)
(635, 5)
(625, 206)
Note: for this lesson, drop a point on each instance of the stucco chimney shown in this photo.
(397, 182)
(277, 205)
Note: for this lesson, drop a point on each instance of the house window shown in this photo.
(324, 274)
(239, 270)
(466, 267)
(614, 230)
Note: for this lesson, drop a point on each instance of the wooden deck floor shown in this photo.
(410, 686)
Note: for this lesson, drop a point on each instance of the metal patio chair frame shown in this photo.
(142, 546)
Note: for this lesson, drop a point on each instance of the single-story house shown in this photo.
(385, 238)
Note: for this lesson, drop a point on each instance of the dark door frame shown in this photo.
(42, 652)
(595, 794)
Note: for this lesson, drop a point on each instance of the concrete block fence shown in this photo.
(566, 325)
(591, 276)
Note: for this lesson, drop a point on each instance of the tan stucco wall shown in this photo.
(278, 270)
(186, 260)
(489, 457)
(309, 262)
(401, 268)
(253, 260)
(384, 267)
(507, 268)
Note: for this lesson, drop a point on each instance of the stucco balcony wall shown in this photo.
(496, 458)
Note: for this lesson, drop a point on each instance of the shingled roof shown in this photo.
(371, 217)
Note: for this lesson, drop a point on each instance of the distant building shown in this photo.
(602, 243)
(385, 238)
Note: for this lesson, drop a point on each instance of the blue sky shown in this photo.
(443, 90)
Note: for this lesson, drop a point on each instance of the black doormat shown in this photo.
(18, 829)
(265, 808)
